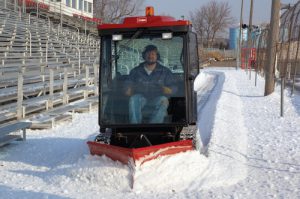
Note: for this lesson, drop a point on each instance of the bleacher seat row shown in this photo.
(43, 64)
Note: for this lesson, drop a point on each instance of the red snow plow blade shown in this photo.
(143, 154)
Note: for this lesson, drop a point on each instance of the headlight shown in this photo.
(117, 37)
(167, 35)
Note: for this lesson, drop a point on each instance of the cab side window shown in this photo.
(193, 52)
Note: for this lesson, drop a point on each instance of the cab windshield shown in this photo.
(142, 80)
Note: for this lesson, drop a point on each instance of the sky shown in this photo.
(177, 8)
(252, 152)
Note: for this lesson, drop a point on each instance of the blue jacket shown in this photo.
(150, 86)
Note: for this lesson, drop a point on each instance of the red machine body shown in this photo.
(145, 21)
(144, 154)
(151, 25)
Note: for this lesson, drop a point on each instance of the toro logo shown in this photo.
(141, 20)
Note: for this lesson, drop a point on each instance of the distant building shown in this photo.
(71, 7)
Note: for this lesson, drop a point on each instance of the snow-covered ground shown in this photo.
(252, 152)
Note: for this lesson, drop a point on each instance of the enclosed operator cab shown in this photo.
(130, 99)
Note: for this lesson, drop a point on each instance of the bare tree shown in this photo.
(211, 19)
(112, 11)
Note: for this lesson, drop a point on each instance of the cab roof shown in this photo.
(144, 22)
(148, 21)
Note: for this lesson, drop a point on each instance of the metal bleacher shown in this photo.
(44, 67)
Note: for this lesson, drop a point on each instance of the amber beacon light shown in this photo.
(149, 11)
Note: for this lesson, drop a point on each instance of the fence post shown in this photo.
(29, 41)
(46, 58)
(86, 81)
(43, 78)
(295, 73)
(65, 87)
(282, 96)
(20, 113)
(79, 61)
(51, 89)
(87, 75)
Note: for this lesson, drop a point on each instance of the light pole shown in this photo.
(240, 37)
(60, 14)
(249, 44)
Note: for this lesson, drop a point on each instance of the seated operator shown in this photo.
(149, 85)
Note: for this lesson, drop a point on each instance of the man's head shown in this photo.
(151, 54)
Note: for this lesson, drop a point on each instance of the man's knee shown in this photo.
(163, 101)
(135, 98)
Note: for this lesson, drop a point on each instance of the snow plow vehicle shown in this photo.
(147, 102)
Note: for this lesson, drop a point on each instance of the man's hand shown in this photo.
(128, 92)
(166, 90)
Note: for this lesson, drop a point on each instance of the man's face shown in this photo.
(151, 57)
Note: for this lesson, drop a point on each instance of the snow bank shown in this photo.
(251, 152)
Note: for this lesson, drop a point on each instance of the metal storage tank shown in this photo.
(233, 38)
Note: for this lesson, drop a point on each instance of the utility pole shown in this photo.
(271, 47)
(249, 42)
(238, 64)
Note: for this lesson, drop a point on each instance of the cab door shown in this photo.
(193, 71)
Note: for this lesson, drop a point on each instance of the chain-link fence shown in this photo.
(287, 64)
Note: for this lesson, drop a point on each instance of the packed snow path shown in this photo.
(251, 152)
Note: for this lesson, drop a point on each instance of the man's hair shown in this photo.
(149, 48)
